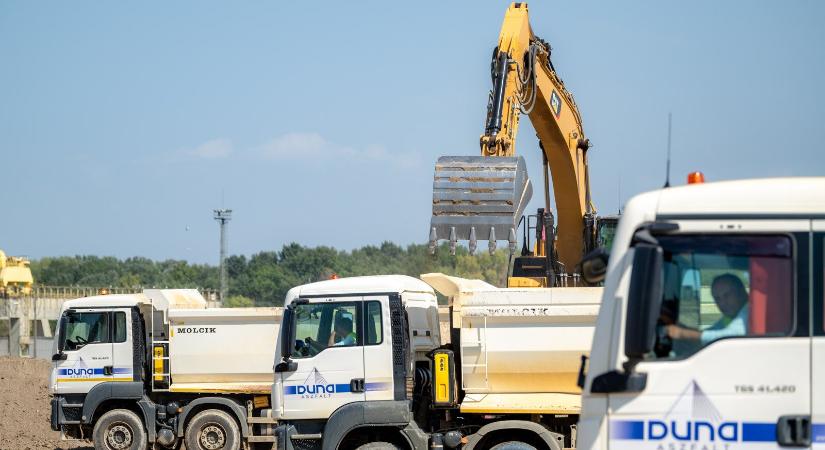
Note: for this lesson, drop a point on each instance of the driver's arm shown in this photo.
(679, 332)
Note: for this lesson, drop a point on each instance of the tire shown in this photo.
(119, 429)
(513, 445)
(212, 429)
(378, 446)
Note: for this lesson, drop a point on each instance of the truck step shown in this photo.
(306, 436)
(261, 438)
(261, 420)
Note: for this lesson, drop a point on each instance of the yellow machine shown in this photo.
(483, 197)
(15, 276)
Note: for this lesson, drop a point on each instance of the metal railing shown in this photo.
(70, 292)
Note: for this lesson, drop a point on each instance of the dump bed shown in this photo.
(520, 348)
(222, 350)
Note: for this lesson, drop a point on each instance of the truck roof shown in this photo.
(797, 196)
(158, 298)
(373, 284)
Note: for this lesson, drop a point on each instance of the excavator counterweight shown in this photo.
(478, 198)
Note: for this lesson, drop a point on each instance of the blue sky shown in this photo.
(123, 126)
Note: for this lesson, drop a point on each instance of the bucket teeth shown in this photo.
(453, 240)
(475, 195)
(512, 240)
(491, 241)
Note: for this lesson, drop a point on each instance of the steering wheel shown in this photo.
(664, 344)
(81, 340)
(313, 347)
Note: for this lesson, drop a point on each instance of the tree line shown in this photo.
(264, 278)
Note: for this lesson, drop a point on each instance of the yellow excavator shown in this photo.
(15, 276)
(484, 197)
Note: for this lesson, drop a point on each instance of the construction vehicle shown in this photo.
(160, 368)
(15, 276)
(710, 334)
(361, 365)
(483, 197)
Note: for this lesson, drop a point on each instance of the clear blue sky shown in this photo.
(123, 125)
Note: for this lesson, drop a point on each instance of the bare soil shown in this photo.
(25, 408)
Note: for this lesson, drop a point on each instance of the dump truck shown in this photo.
(361, 365)
(160, 368)
(710, 334)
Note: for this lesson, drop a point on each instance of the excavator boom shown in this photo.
(473, 196)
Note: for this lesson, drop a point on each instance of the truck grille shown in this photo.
(72, 414)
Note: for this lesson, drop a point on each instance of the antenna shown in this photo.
(667, 173)
(620, 194)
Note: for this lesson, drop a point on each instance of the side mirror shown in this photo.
(59, 356)
(644, 301)
(287, 333)
(594, 266)
(61, 332)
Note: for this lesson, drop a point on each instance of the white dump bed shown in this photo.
(520, 348)
(222, 349)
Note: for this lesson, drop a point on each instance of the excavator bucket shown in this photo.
(478, 197)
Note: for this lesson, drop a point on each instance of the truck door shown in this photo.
(378, 358)
(731, 366)
(818, 353)
(85, 338)
(122, 346)
(328, 357)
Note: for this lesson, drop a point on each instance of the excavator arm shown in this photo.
(484, 197)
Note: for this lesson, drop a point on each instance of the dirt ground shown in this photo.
(25, 409)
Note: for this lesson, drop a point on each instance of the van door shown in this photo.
(731, 364)
(85, 336)
(818, 353)
(328, 357)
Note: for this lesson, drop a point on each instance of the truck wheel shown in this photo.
(513, 445)
(378, 446)
(212, 429)
(119, 429)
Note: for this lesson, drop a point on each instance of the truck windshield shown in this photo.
(84, 328)
(723, 286)
(322, 325)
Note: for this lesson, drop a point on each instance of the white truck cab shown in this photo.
(710, 333)
(356, 343)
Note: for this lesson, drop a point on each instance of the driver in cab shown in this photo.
(343, 333)
(731, 297)
(341, 336)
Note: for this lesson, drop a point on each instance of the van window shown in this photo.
(319, 326)
(723, 286)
